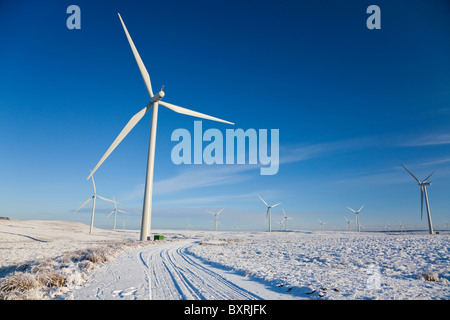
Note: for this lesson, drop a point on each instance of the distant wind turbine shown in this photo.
(348, 223)
(115, 213)
(155, 101)
(285, 219)
(388, 227)
(268, 213)
(358, 227)
(281, 224)
(187, 224)
(321, 223)
(216, 216)
(93, 204)
(402, 226)
(423, 194)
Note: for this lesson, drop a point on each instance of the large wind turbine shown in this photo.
(115, 213)
(155, 101)
(423, 193)
(268, 213)
(93, 203)
(216, 216)
(357, 217)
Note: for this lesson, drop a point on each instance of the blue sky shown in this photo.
(351, 105)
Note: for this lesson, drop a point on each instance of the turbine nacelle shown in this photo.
(158, 96)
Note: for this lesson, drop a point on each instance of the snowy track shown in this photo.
(163, 271)
(176, 275)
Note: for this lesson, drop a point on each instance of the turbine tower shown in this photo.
(423, 194)
(93, 204)
(155, 101)
(268, 213)
(216, 216)
(358, 228)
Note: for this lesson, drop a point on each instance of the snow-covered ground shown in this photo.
(241, 265)
(338, 265)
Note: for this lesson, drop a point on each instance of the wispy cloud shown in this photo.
(197, 177)
(427, 140)
(296, 153)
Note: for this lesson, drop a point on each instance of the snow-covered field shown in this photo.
(338, 265)
(36, 255)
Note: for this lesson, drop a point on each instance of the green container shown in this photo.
(158, 237)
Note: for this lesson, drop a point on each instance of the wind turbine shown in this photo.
(357, 217)
(423, 193)
(281, 224)
(402, 226)
(93, 204)
(321, 223)
(187, 224)
(285, 219)
(216, 216)
(348, 223)
(268, 213)
(155, 101)
(115, 213)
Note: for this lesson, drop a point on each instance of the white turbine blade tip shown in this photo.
(411, 174)
(276, 204)
(139, 61)
(263, 200)
(83, 204)
(191, 112)
(128, 127)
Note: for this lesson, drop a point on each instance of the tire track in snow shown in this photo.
(162, 271)
(175, 274)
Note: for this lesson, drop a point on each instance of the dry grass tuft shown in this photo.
(51, 277)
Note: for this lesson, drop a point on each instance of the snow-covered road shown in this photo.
(167, 271)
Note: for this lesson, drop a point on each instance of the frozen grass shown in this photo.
(49, 278)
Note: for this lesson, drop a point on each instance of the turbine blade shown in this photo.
(210, 212)
(263, 200)
(190, 112)
(276, 204)
(104, 199)
(129, 126)
(109, 214)
(141, 65)
(84, 204)
(428, 177)
(220, 211)
(351, 209)
(122, 211)
(93, 183)
(411, 174)
(360, 209)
